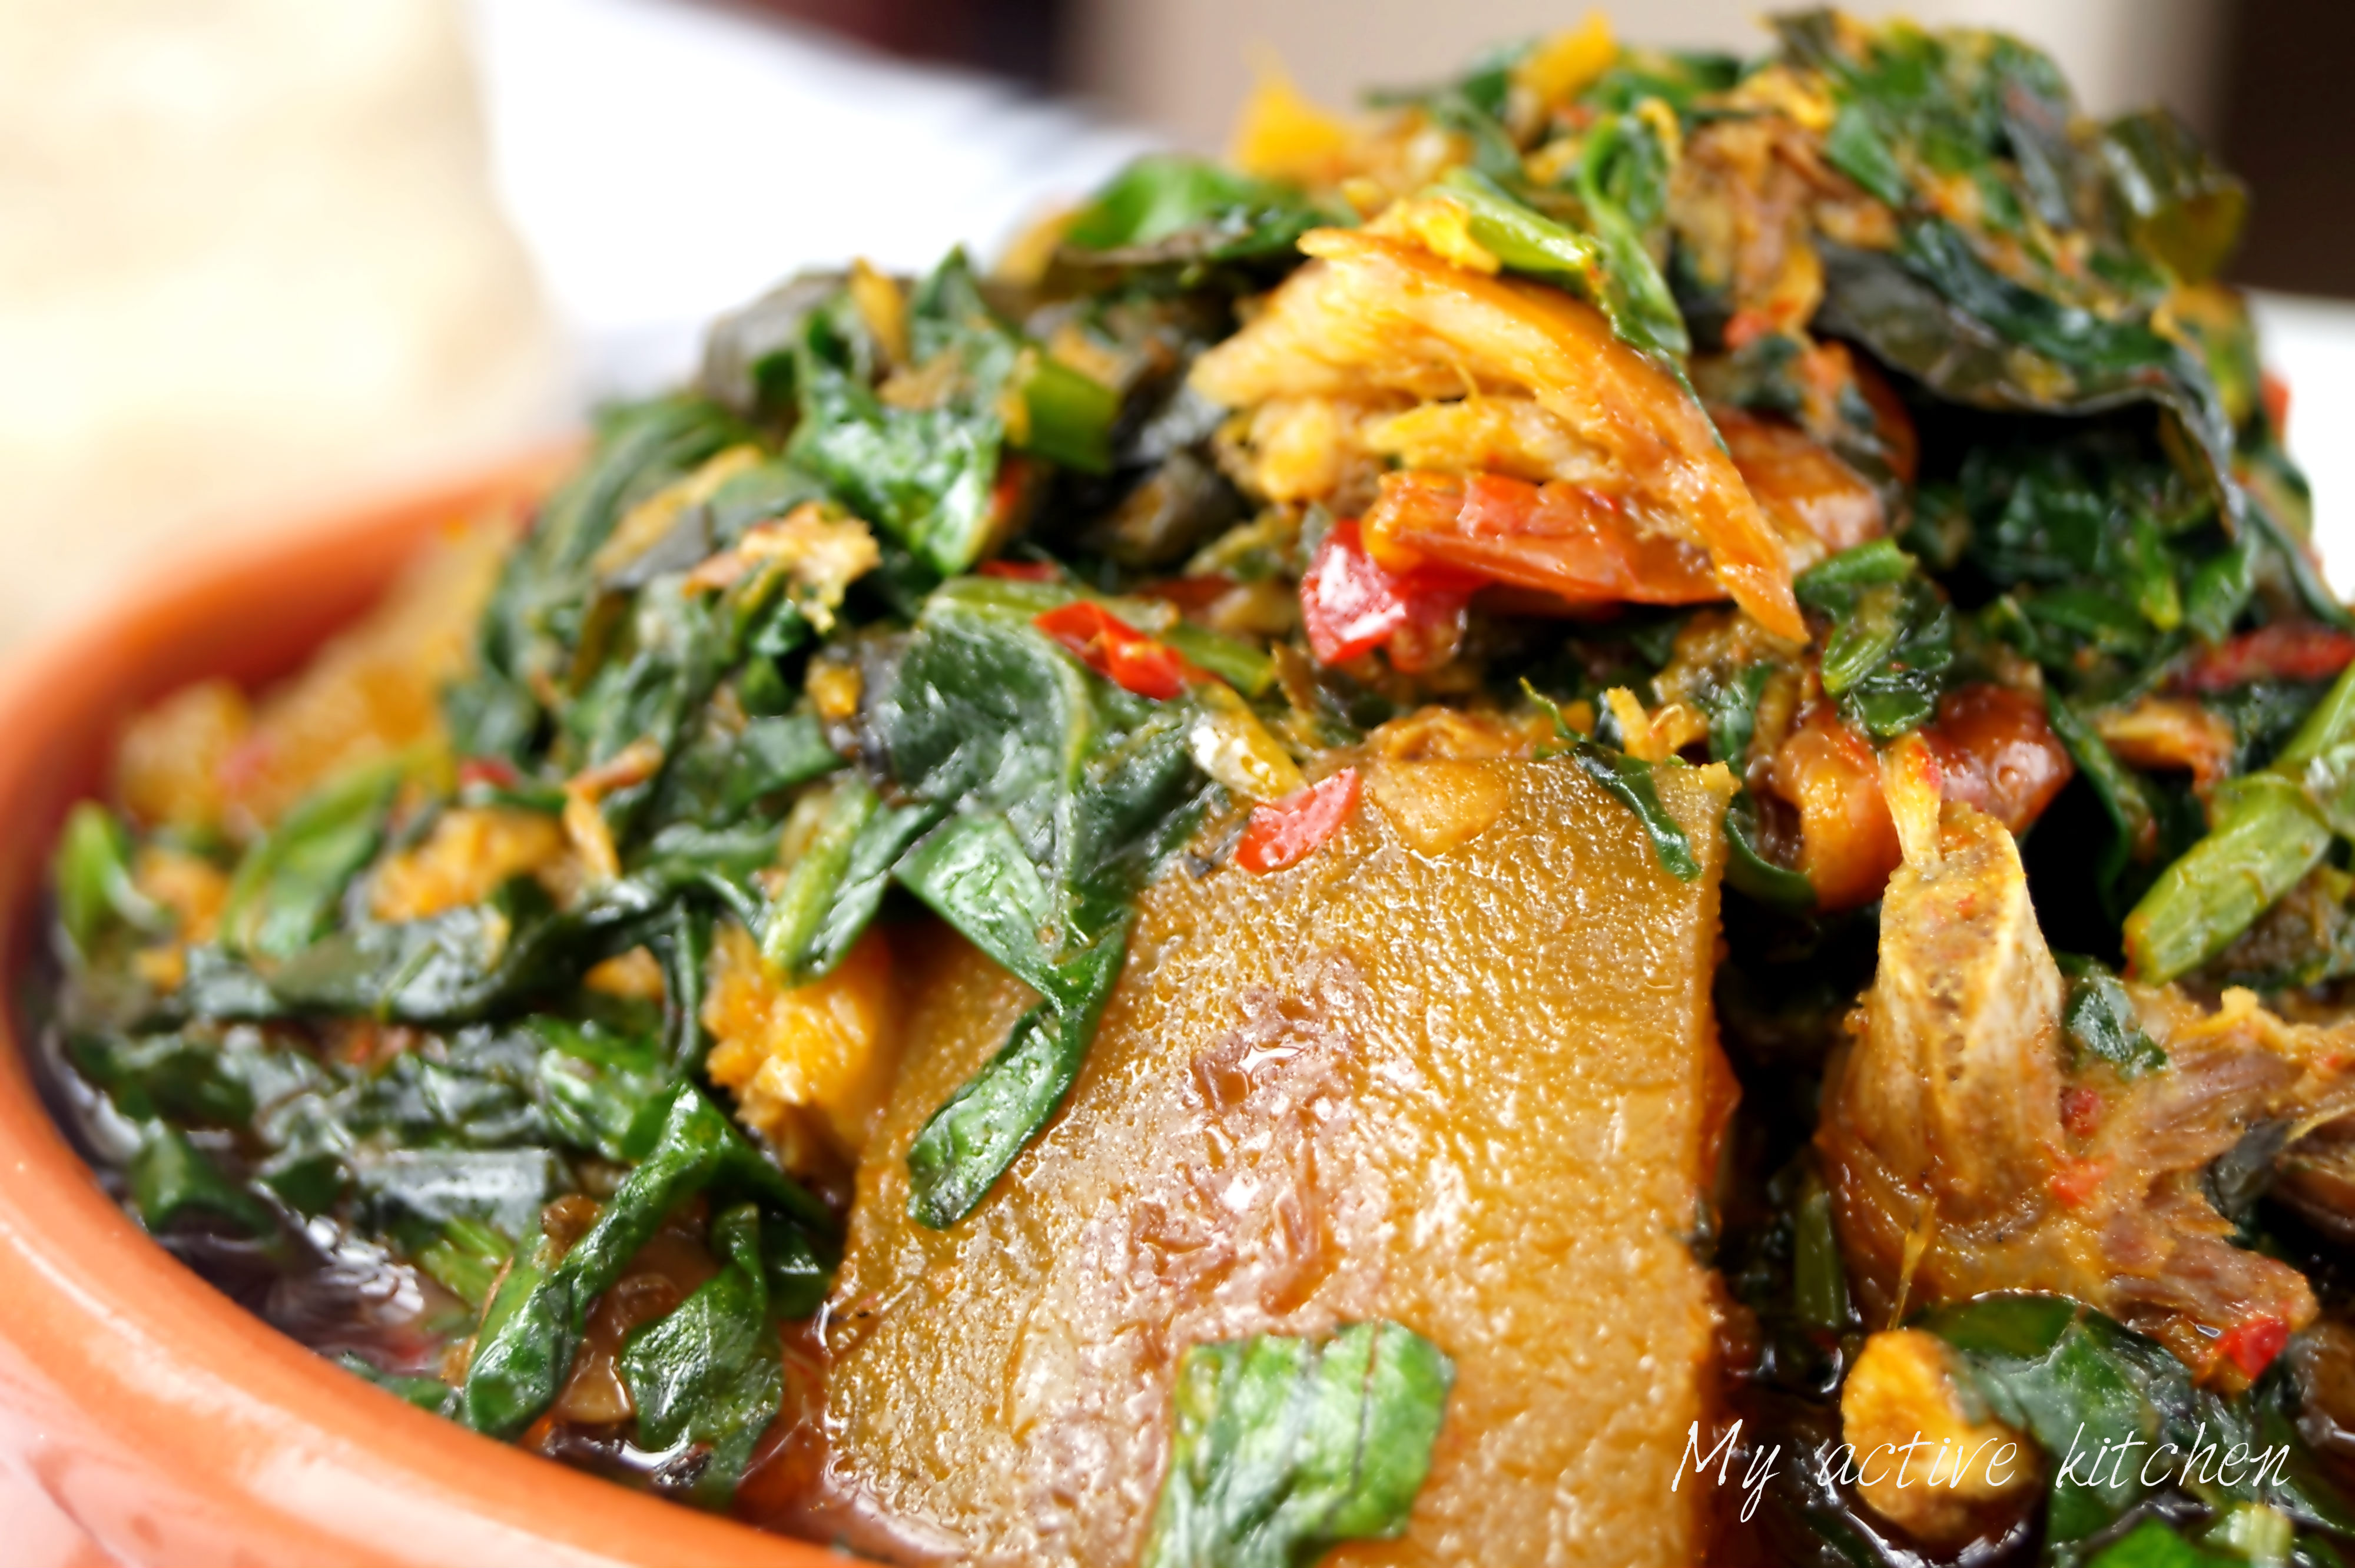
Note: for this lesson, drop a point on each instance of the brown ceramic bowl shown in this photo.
(145, 1418)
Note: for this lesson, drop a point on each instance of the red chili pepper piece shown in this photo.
(2076, 1181)
(1289, 831)
(1115, 650)
(1352, 605)
(2275, 393)
(1005, 496)
(1023, 571)
(2270, 653)
(491, 770)
(2253, 1342)
(1557, 538)
(1349, 605)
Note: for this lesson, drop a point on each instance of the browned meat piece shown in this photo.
(1967, 1156)
(1470, 1087)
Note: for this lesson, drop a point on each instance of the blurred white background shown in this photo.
(258, 255)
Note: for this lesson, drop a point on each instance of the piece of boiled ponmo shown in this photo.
(1474, 1092)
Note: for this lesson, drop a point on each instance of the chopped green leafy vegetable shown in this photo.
(1282, 1448)
(1629, 780)
(1183, 213)
(2100, 1022)
(969, 1141)
(285, 891)
(521, 1359)
(988, 597)
(709, 1372)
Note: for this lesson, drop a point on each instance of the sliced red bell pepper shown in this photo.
(1290, 830)
(1007, 496)
(1557, 538)
(1352, 605)
(496, 771)
(2270, 653)
(2076, 1181)
(1115, 649)
(2275, 393)
(1022, 571)
(2253, 1342)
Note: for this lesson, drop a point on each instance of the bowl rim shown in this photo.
(144, 1417)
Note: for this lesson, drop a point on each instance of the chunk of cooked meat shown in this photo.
(1469, 1087)
(1380, 314)
(1966, 1154)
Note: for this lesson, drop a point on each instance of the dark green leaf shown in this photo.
(1891, 642)
(465, 1259)
(598, 1092)
(1859, 149)
(2176, 202)
(531, 634)
(185, 1077)
(1284, 1447)
(1818, 1278)
(799, 1275)
(1170, 210)
(983, 711)
(1749, 870)
(1832, 583)
(1733, 714)
(90, 875)
(712, 1372)
(171, 1177)
(1629, 780)
(532, 1331)
(2102, 1023)
(2153, 1544)
(748, 353)
(2221, 589)
(285, 891)
(1936, 310)
(428, 1395)
(503, 1189)
(831, 894)
(974, 873)
(2073, 1379)
(1864, 640)
(2120, 791)
(971, 1139)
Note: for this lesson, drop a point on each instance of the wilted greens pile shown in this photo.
(987, 597)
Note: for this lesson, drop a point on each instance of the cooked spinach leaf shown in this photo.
(533, 1329)
(283, 893)
(1282, 1448)
(171, 1177)
(2100, 1022)
(1185, 215)
(710, 1372)
(1629, 780)
(968, 1143)
(91, 874)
